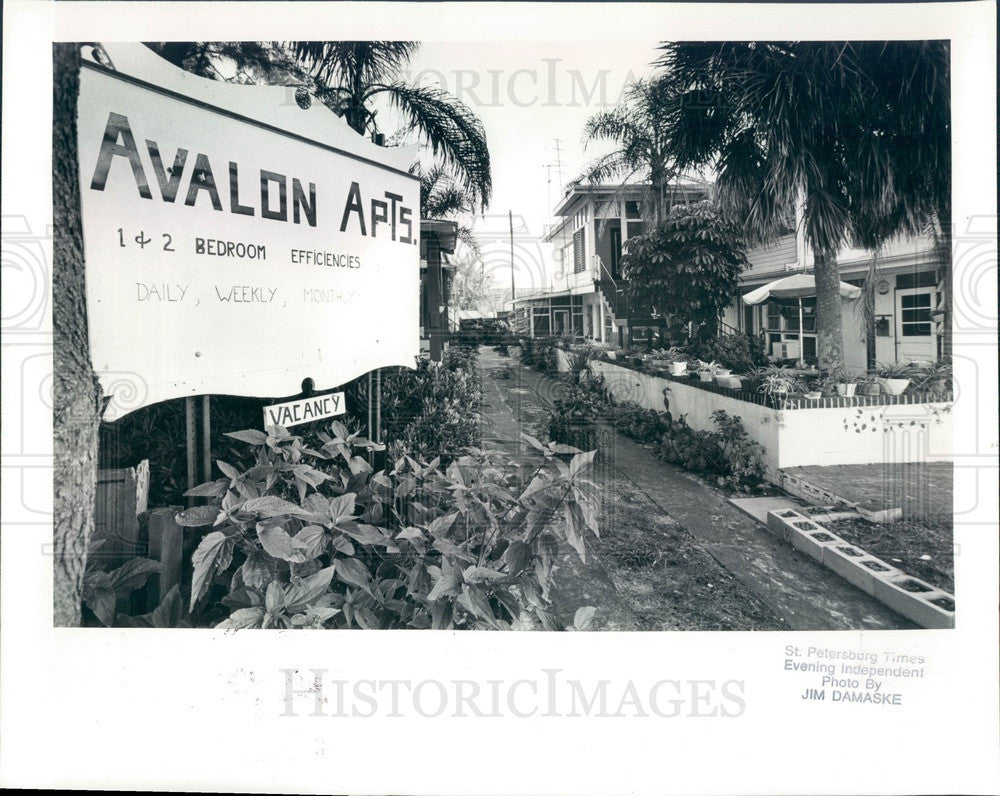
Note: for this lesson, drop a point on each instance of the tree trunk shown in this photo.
(829, 321)
(75, 391)
(869, 312)
(656, 189)
(945, 243)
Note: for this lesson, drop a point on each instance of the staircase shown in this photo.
(611, 288)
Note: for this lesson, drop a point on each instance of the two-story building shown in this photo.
(585, 298)
(908, 296)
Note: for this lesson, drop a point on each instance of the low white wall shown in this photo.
(799, 437)
(866, 435)
(694, 404)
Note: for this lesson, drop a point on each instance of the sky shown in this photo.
(529, 97)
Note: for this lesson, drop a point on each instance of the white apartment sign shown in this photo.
(305, 410)
(236, 243)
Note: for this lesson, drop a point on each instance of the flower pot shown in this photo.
(706, 376)
(723, 372)
(894, 386)
(815, 395)
(871, 390)
(678, 368)
(846, 390)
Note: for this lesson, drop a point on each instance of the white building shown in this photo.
(585, 297)
(585, 300)
(908, 296)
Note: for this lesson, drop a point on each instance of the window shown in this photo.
(579, 254)
(918, 279)
(783, 315)
(542, 324)
(633, 210)
(616, 252)
(915, 314)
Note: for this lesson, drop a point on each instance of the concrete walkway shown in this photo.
(803, 594)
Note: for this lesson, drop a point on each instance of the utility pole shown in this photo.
(510, 216)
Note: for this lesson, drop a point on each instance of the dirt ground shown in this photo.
(908, 544)
(667, 580)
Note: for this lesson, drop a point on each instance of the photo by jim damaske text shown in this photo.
(854, 676)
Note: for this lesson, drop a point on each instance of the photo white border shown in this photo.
(200, 710)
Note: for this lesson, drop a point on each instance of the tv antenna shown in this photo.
(558, 167)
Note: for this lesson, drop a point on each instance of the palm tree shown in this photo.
(641, 127)
(350, 77)
(443, 196)
(855, 131)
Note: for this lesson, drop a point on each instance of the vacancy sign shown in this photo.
(306, 410)
(235, 242)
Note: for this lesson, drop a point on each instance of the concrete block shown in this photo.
(882, 516)
(843, 559)
(914, 599)
(810, 538)
(874, 570)
(777, 522)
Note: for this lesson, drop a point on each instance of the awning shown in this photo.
(794, 286)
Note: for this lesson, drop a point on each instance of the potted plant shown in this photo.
(812, 387)
(659, 358)
(845, 385)
(895, 378)
(777, 383)
(706, 371)
(869, 385)
(932, 378)
(722, 376)
(674, 358)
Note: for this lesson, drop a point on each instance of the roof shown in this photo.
(446, 232)
(636, 189)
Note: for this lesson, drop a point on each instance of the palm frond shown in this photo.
(451, 130)
(353, 63)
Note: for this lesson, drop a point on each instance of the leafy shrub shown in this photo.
(744, 458)
(106, 592)
(635, 422)
(314, 538)
(433, 410)
(729, 455)
(538, 353)
(483, 331)
(574, 416)
(738, 352)
(687, 267)
(699, 451)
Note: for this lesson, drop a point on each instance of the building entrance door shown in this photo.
(560, 322)
(914, 329)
